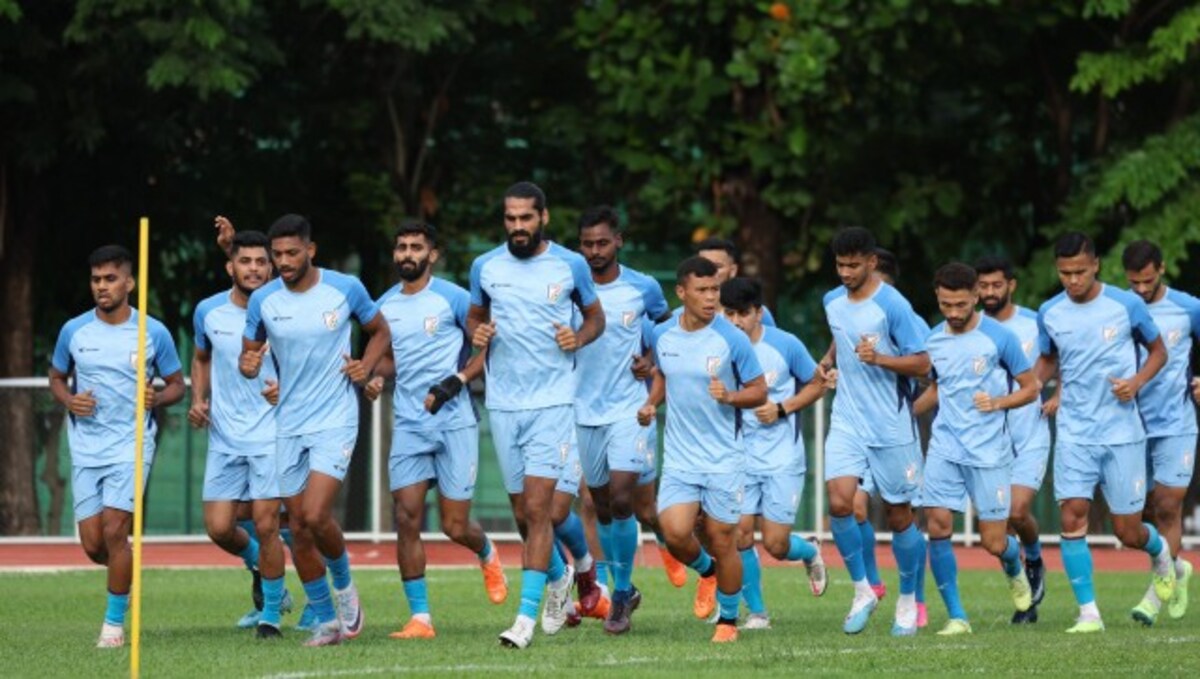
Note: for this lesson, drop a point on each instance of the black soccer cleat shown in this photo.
(268, 631)
(1025, 617)
(256, 593)
(1036, 572)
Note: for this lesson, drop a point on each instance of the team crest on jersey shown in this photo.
(871, 338)
(1027, 347)
(712, 365)
(553, 292)
(628, 318)
(1173, 337)
(772, 376)
(1110, 333)
(331, 319)
(979, 364)
(474, 471)
(431, 325)
(133, 359)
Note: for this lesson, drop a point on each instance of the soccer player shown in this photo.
(1028, 425)
(975, 359)
(1090, 333)
(1169, 416)
(435, 434)
(879, 348)
(708, 373)
(305, 316)
(724, 254)
(775, 458)
(615, 450)
(241, 440)
(99, 349)
(522, 295)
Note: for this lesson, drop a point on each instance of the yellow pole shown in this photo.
(139, 427)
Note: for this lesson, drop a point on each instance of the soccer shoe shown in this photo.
(1036, 572)
(1087, 626)
(922, 615)
(600, 612)
(905, 622)
(1025, 617)
(676, 571)
(1177, 606)
(725, 634)
(1018, 588)
(111, 636)
(520, 635)
(860, 612)
(249, 620)
(286, 603)
(706, 597)
(326, 634)
(588, 589)
(267, 631)
(635, 598)
(558, 600)
(618, 621)
(756, 621)
(955, 627)
(1164, 584)
(817, 578)
(308, 619)
(415, 629)
(574, 619)
(494, 579)
(880, 591)
(349, 611)
(1146, 612)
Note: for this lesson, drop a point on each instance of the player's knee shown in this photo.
(995, 544)
(266, 528)
(221, 533)
(96, 551)
(840, 506)
(116, 534)
(1129, 533)
(1166, 508)
(777, 546)
(315, 518)
(646, 515)
(455, 528)
(898, 521)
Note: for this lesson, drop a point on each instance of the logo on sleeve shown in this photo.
(628, 318)
(980, 365)
(553, 292)
(1110, 333)
(331, 319)
(431, 325)
(713, 365)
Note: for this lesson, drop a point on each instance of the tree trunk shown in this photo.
(759, 235)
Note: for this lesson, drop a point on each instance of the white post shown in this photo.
(819, 467)
(376, 465)
(968, 525)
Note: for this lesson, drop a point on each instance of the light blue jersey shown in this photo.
(1030, 430)
(873, 403)
(1095, 341)
(429, 342)
(768, 318)
(525, 368)
(607, 390)
(984, 359)
(1166, 401)
(241, 422)
(104, 360)
(703, 436)
(309, 333)
(787, 366)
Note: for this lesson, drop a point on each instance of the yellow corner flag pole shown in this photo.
(139, 427)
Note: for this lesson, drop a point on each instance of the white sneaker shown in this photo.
(757, 621)
(520, 635)
(817, 578)
(350, 613)
(326, 634)
(111, 636)
(558, 603)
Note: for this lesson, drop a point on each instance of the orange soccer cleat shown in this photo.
(706, 597)
(676, 571)
(494, 579)
(415, 629)
(600, 612)
(725, 634)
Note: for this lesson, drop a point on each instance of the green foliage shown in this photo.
(1117, 71)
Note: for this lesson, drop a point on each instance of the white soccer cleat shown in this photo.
(558, 603)
(349, 611)
(326, 634)
(520, 635)
(111, 636)
(818, 579)
(757, 621)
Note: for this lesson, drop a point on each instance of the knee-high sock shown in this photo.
(1077, 562)
(624, 541)
(604, 566)
(945, 574)
(417, 594)
(800, 549)
(752, 581)
(909, 547)
(848, 539)
(532, 584)
(868, 552)
(1011, 558)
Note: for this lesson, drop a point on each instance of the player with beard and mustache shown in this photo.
(435, 433)
(1029, 424)
(522, 298)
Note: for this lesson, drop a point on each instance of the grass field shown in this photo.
(51, 621)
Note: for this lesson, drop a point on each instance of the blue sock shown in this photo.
(486, 552)
(605, 565)
(848, 539)
(557, 567)
(417, 595)
(285, 534)
(532, 584)
(319, 598)
(339, 568)
(250, 554)
(570, 531)
(272, 599)
(1033, 550)
(703, 564)
(248, 526)
(867, 531)
(624, 538)
(1154, 542)
(945, 574)
(1077, 561)
(800, 549)
(751, 583)
(727, 604)
(1011, 558)
(115, 613)
(921, 569)
(909, 548)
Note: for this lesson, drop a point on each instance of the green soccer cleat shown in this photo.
(1089, 626)
(1022, 593)
(1177, 606)
(1146, 612)
(1164, 585)
(955, 627)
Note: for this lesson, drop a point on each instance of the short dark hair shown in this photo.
(600, 214)
(290, 225)
(1140, 253)
(1074, 243)
(887, 265)
(852, 240)
(111, 254)
(527, 190)
(416, 227)
(994, 263)
(714, 243)
(694, 266)
(742, 294)
(249, 239)
(955, 276)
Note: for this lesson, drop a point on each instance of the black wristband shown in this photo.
(779, 409)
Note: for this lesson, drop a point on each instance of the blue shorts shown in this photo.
(894, 471)
(451, 457)
(1029, 467)
(1170, 459)
(949, 484)
(326, 452)
(1120, 470)
(240, 478)
(539, 443)
(719, 495)
(622, 446)
(774, 496)
(111, 486)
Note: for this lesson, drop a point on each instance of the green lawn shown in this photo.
(51, 622)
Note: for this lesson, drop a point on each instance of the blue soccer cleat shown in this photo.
(860, 613)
